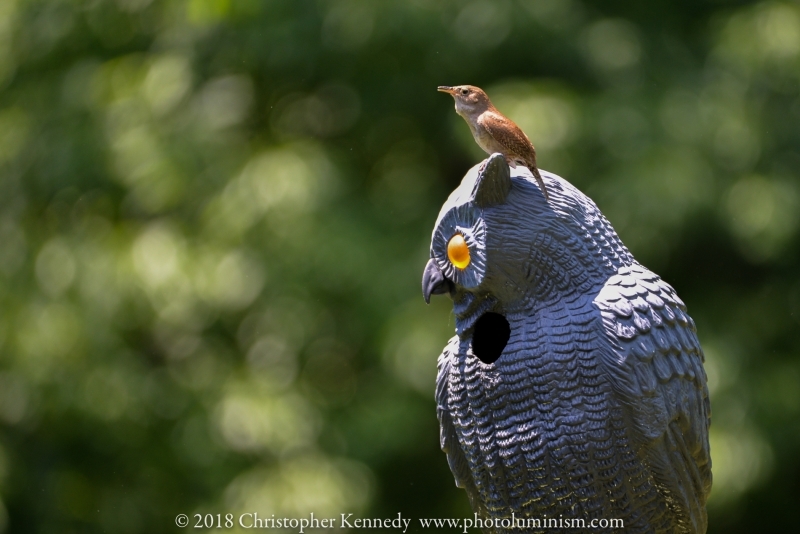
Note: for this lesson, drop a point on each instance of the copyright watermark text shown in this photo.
(253, 520)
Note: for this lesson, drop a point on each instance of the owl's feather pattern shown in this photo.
(598, 406)
(448, 439)
(656, 370)
(540, 429)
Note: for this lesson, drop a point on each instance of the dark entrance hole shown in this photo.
(490, 337)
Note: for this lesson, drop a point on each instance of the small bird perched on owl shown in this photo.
(493, 131)
(574, 387)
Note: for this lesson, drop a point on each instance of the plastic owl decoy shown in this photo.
(574, 387)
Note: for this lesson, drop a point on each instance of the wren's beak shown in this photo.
(447, 89)
(434, 282)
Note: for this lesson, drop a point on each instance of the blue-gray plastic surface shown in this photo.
(597, 407)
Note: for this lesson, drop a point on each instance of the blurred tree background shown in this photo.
(214, 216)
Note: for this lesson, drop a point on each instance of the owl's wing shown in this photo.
(447, 432)
(656, 371)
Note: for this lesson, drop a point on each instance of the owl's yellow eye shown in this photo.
(458, 251)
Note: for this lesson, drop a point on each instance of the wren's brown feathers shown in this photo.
(493, 131)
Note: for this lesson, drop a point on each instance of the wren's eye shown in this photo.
(458, 251)
(465, 91)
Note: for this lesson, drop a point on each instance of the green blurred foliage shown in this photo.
(214, 215)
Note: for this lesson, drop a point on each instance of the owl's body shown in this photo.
(597, 405)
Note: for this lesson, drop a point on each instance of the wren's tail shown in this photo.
(535, 171)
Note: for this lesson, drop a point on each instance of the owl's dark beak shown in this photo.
(433, 281)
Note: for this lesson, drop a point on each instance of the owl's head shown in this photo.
(499, 247)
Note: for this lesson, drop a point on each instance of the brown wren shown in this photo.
(493, 131)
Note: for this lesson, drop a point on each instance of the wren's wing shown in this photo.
(447, 432)
(517, 145)
(656, 371)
